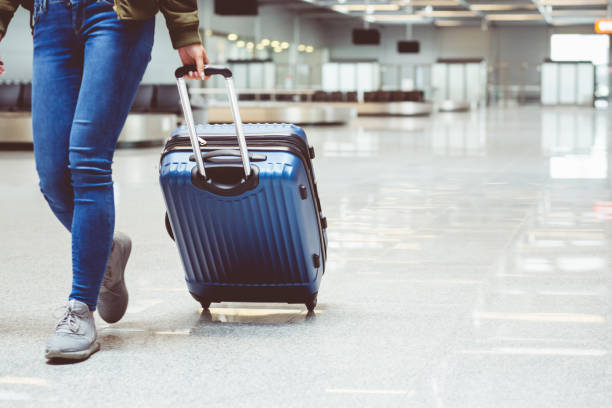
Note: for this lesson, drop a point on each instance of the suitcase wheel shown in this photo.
(312, 303)
(169, 227)
(204, 302)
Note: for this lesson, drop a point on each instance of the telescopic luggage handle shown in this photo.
(186, 105)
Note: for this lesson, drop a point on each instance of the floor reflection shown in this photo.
(256, 315)
(545, 305)
(576, 143)
(464, 138)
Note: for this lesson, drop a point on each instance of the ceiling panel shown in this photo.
(447, 13)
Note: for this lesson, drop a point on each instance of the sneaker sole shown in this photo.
(73, 355)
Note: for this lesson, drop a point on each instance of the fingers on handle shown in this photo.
(205, 61)
(200, 66)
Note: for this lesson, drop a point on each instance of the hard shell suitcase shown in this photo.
(248, 223)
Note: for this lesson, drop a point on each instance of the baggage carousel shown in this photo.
(146, 129)
(151, 129)
(393, 108)
(290, 112)
(15, 131)
(315, 113)
(454, 106)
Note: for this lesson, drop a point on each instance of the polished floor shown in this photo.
(469, 266)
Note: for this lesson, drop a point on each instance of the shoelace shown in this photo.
(68, 321)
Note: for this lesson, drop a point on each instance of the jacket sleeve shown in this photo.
(7, 9)
(182, 21)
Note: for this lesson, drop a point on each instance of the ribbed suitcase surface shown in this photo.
(265, 244)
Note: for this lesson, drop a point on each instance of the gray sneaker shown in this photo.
(75, 334)
(113, 298)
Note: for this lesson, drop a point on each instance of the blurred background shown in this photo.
(454, 54)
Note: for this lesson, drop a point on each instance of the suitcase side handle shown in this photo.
(228, 156)
(186, 106)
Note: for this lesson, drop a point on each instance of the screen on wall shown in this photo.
(363, 36)
(408, 47)
(236, 7)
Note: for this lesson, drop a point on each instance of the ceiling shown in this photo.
(448, 13)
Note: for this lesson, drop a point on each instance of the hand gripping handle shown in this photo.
(208, 70)
(186, 105)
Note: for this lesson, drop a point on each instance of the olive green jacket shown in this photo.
(181, 16)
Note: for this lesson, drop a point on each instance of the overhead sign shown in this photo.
(603, 26)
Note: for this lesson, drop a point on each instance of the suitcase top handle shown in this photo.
(186, 105)
(208, 70)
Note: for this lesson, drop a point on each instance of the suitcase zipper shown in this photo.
(229, 140)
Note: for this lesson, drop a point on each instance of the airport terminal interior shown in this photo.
(462, 156)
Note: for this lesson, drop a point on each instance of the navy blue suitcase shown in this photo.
(247, 223)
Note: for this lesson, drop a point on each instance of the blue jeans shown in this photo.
(87, 67)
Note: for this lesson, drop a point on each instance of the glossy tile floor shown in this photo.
(469, 266)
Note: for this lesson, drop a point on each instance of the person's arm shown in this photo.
(7, 9)
(183, 24)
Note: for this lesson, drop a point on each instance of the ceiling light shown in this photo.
(365, 7)
(514, 17)
(309, 49)
(396, 18)
(301, 48)
(208, 33)
(284, 45)
(260, 47)
(265, 42)
(250, 45)
(232, 37)
(502, 7)
(573, 2)
(579, 13)
(433, 3)
(452, 14)
(275, 44)
(240, 44)
(448, 23)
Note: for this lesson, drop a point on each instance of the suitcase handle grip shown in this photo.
(216, 156)
(208, 70)
(186, 106)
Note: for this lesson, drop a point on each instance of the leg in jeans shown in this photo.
(87, 67)
(57, 69)
(116, 54)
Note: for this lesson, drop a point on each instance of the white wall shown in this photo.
(501, 45)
